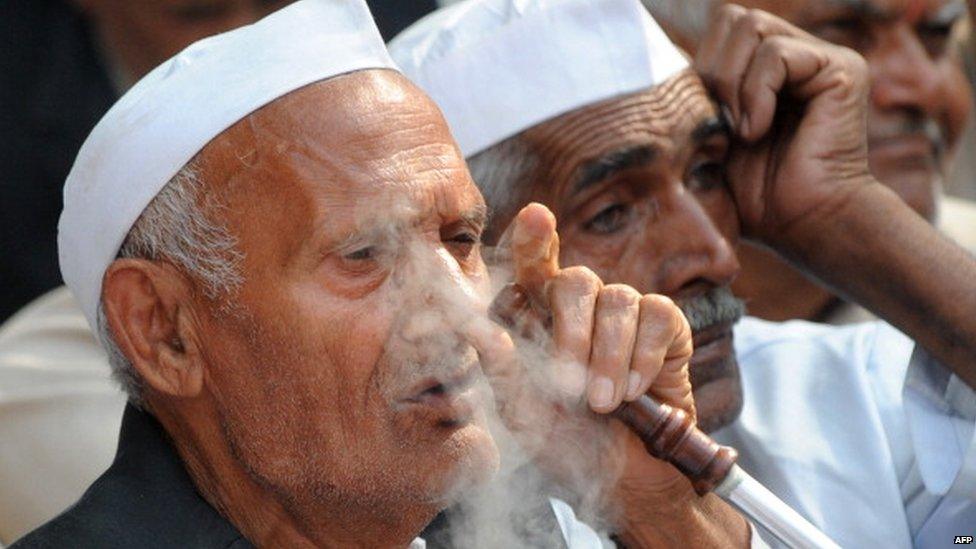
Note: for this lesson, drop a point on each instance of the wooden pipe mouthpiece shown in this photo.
(670, 435)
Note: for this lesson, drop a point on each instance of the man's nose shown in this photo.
(698, 254)
(443, 282)
(903, 73)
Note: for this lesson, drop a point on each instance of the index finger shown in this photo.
(535, 250)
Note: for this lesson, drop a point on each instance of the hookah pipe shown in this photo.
(669, 434)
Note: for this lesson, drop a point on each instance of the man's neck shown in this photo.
(256, 512)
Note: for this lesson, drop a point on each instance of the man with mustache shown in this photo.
(278, 244)
(651, 186)
(919, 104)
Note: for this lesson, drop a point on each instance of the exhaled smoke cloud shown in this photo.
(552, 447)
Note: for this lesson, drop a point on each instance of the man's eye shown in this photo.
(935, 38)
(610, 220)
(464, 238)
(463, 243)
(362, 254)
(707, 176)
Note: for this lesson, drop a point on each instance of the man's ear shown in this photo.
(147, 307)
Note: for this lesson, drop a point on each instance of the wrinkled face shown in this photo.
(919, 97)
(637, 185)
(335, 368)
(151, 31)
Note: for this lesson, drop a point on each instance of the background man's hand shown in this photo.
(798, 105)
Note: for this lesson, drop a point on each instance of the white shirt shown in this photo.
(60, 412)
(830, 425)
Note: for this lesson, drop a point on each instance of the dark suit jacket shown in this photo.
(53, 90)
(145, 499)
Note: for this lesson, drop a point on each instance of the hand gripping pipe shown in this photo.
(670, 435)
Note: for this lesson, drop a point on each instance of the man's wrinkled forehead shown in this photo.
(353, 124)
(339, 158)
(587, 145)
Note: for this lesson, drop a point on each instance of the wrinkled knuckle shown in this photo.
(581, 277)
(613, 357)
(619, 295)
(648, 360)
(775, 46)
(751, 21)
(731, 12)
(658, 305)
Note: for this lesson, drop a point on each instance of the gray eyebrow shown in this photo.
(477, 216)
(603, 167)
(599, 169)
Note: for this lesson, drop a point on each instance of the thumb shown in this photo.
(535, 250)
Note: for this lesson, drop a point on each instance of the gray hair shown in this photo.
(502, 173)
(176, 227)
(687, 17)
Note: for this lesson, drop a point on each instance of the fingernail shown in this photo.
(744, 125)
(634, 382)
(601, 392)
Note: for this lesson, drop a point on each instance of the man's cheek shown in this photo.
(959, 103)
(601, 253)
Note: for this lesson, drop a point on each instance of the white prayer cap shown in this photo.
(497, 67)
(175, 110)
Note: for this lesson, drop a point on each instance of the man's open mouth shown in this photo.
(449, 400)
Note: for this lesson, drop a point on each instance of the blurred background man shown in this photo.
(64, 64)
(962, 180)
(920, 101)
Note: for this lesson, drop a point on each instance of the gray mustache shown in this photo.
(908, 124)
(717, 306)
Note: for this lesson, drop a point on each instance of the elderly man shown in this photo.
(919, 103)
(319, 384)
(651, 187)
